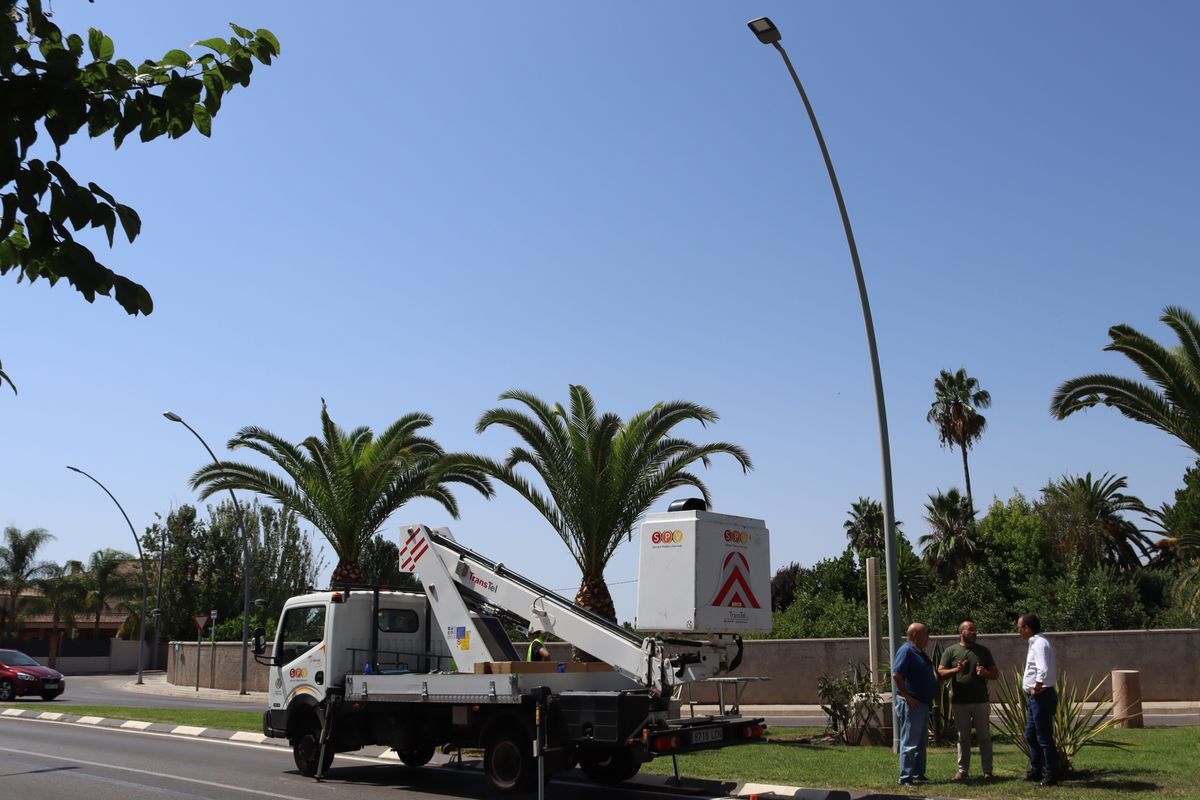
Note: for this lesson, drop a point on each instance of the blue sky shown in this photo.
(420, 206)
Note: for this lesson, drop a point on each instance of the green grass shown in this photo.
(1162, 761)
(226, 720)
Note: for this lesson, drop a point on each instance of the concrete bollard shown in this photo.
(1127, 697)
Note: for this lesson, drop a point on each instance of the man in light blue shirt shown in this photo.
(1038, 683)
(916, 683)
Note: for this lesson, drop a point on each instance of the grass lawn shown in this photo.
(1162, 761)
(226, 720)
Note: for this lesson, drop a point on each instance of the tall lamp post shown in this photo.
(237, 509)
(767, 33)
(145, 580)
(162, 551)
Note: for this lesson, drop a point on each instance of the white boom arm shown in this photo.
(447, 570)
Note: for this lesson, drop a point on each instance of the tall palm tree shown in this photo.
(600, 473)
(63, 596)
(864, 528)
(1084, 518)
(957, 399)
(105, 580)
(1171, 405)
(952, 537)
(347, 484)
(19, 568)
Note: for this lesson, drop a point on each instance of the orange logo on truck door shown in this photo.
(735, 588)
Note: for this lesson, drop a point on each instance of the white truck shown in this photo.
(413, 671)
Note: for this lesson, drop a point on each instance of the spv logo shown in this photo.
(737, 537)
(666, 537)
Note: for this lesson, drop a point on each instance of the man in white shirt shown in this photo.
(1038, 683)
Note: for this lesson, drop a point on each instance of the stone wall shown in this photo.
(1166, 660)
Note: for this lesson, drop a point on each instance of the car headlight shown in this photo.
(24, 677)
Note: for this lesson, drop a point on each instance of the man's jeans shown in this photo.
(1039, 732)
(914, 734)
(965, 716)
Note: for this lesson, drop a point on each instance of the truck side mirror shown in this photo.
(259, 644)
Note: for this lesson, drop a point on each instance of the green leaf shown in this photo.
(95, 38)
(176, 58)
(83, 208)
(58, 205)
(202, 119)
(216, 45)
(10, 215)
(130, 221)
(214, 86)
(96, 190)
(75, 44)
(265, 34)
(103, 215)
(242, 32)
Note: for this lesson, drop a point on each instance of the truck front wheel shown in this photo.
(609, 764)
(508, 760)
(306, 749)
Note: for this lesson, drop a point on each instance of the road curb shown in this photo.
(656, 782)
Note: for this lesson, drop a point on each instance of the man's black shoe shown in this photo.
(1047, 781)
(1033, 775)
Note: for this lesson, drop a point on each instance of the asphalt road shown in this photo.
(60, 761)
(115, 690)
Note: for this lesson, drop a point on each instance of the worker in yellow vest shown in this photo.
(537, 650)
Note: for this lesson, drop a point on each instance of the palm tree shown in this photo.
(347, 484)
(952, 532)
(600, 473)
(105, 580)
(957, 398)
(19, 568)
(1083, 517)
(864, 528)
(63, 596)
(1174, 406)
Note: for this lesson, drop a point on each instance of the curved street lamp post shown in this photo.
(237, 509)
(767, 33)
(142, 559)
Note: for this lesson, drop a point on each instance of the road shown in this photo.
(60, 761)
(118, 690)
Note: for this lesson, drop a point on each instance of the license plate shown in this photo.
(50, 684)
(704, 737)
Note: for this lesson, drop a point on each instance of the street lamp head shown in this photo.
(74, 469)
(765, 30)
(171, 415)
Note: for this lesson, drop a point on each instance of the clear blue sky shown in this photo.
(420, 206)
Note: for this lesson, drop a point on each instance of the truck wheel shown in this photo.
(416, 756)
(508, 760)
(306, 749)
(609, 765)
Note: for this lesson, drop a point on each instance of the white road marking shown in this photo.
(50, 715)
(246, 736)
(13, 712)
(151, 773)
(90, 720)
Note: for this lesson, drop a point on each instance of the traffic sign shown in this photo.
(201, 620)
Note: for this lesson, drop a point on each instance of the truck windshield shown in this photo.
(302, 628)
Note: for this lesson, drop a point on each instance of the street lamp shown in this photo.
(162, 552)
(171, 415)
(767, 33)
(142, 559)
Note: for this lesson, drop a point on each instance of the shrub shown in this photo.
(850, 701)
(1076, 725)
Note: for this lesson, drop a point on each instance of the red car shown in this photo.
(21, 675)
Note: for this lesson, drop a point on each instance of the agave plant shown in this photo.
(1081, 719)
(941, 717)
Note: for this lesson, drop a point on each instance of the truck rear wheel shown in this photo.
(416, 756)
(608, 765)
(508, 760)
(306, 749)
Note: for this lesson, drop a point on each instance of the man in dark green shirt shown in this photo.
(970, 666)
